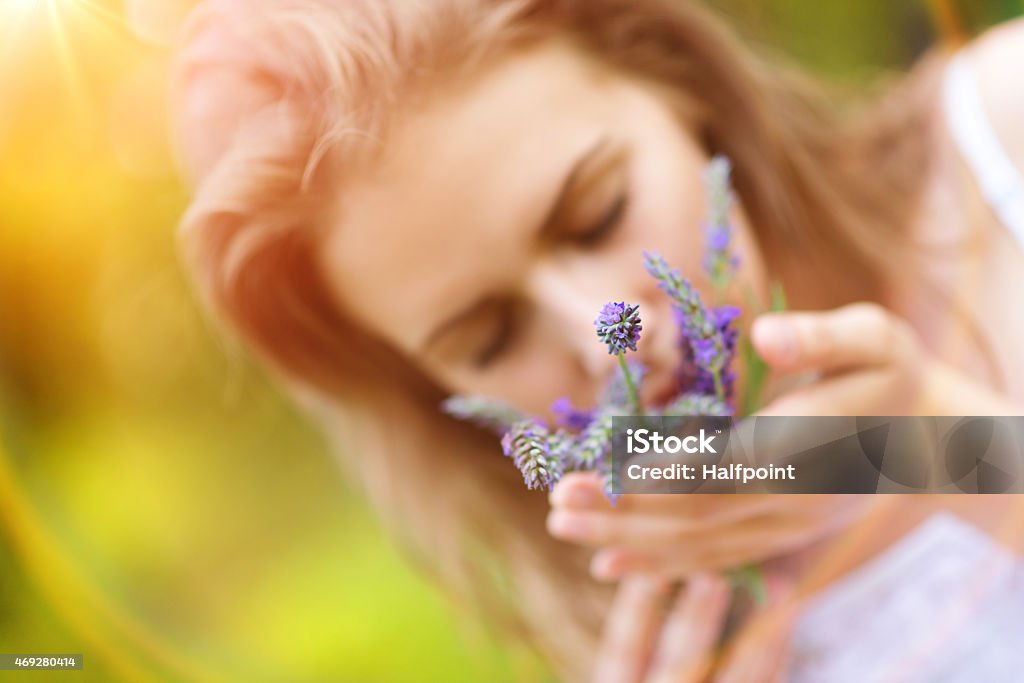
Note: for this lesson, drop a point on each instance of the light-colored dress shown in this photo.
(944, 605)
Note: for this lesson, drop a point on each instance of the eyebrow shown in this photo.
(549, 222)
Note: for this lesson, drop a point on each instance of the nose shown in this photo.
(572, 298)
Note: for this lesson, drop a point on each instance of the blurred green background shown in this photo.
(162, 509)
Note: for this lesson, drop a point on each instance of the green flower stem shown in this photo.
(719, 387)
(634, 397)
(748, 578)
(756, 368)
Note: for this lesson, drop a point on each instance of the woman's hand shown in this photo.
(675, 535)
(646, 640)
(872, 362)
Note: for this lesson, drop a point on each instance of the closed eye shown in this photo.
(604, 227)
(499, 340)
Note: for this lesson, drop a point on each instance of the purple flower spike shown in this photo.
(595, 443)
(561, 444)
(618, 326)
(528, 443)
(696, 379)
(718, 240)
(608, 482)
(719, 263)
(569, 416)
(720, 197)
(724, 315)
(698, 324)
(695, 404)
(482, 411)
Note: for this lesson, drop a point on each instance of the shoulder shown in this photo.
(996, 59)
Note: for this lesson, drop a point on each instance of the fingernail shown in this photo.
(563, 524)
(778, 335)
(581, 497)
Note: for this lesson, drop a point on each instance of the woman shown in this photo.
(397, 201)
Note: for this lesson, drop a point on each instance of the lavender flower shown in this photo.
(569, 416)
(485, 412)
(609, 479)
(561, 445)
(696, 379)
(528, 443)
(695, 404)
(719, 262)
(618, 326)
(595, 442)
(698, 324)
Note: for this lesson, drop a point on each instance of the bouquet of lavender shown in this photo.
(581, 439)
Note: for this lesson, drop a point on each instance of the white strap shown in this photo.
(1001, 183)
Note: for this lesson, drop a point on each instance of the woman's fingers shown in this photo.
(685, 648)
(583, 491)
(610, 564)
(725, 547)
(663, 532)
(598, 529)
(676, 535)
(760, 653)
(642, 643)
(880, 351)
(860, 334)
(579, 490)
(630, 631)
(668, 526)
(847, 394)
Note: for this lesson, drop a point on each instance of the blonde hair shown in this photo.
(271, 95)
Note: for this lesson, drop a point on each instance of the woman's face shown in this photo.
(504, 213)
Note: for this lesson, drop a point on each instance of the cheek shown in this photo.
(667, 220)
(531, 380)
(669, 202)
(752, 268)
